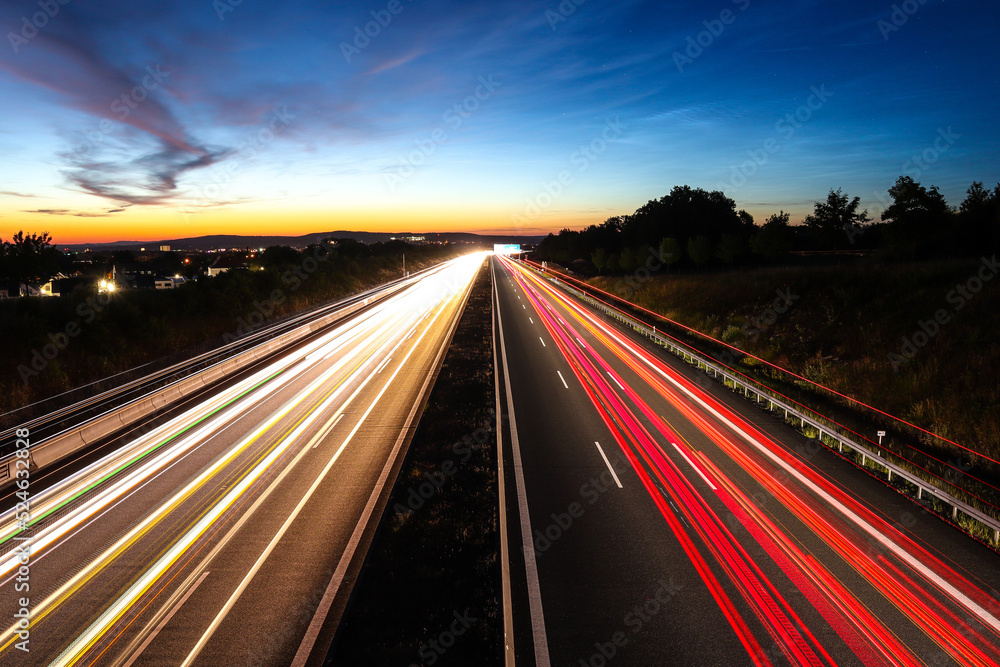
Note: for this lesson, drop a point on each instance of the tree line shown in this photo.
(694, 227)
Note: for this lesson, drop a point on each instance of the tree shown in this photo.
(613, 263)
(600, 259)
(913, 202)
(279, 256)
(979, 219)
(730, 247)
(917, 217)
(832, 220)
(746, 220)
(29, 258)
(684, 213)
(628, 260)
(699, 249)
(670, 251)
(976, 198)
(774, 237)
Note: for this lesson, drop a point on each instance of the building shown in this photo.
(226, 263)
(62, 285)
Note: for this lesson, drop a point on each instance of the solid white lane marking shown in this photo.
(291, 518)
(508, 605)
(326, 431)
(309, 493)
(910, 559)
(326, 602)
(616, 381)
(696, 468)
(166, 619)
(563, 379)
(540, 640)
(608, 463)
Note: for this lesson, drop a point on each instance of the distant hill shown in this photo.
(217, 241)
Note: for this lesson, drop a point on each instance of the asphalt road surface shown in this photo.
(227, 535)
(671, 523)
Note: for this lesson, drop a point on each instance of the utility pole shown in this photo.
(404, 264)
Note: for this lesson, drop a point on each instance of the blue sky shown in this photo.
(241, 116)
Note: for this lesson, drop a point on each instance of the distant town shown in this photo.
(36, 267)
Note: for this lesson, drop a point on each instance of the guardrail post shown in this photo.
(843, 444)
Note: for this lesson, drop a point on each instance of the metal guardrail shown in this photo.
(48, 425)
(186, 378)
(53, 449)
(827, 432)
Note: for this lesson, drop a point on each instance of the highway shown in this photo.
(230, 534)
(664, 521)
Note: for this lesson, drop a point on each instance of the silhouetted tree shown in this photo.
(774, 237)
(29, 257)
(832, 219)
(917, 218)
(683, 214)
(279, 256)
(979, 218)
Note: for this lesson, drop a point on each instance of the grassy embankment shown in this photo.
(839, 330)
(433, 566)
(159, 326)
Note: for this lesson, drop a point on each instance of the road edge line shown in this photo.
(319, 620)
(530, 566)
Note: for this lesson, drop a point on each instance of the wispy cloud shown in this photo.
(150, 178)
(78, 214)
(68, 64)
(393, 63)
